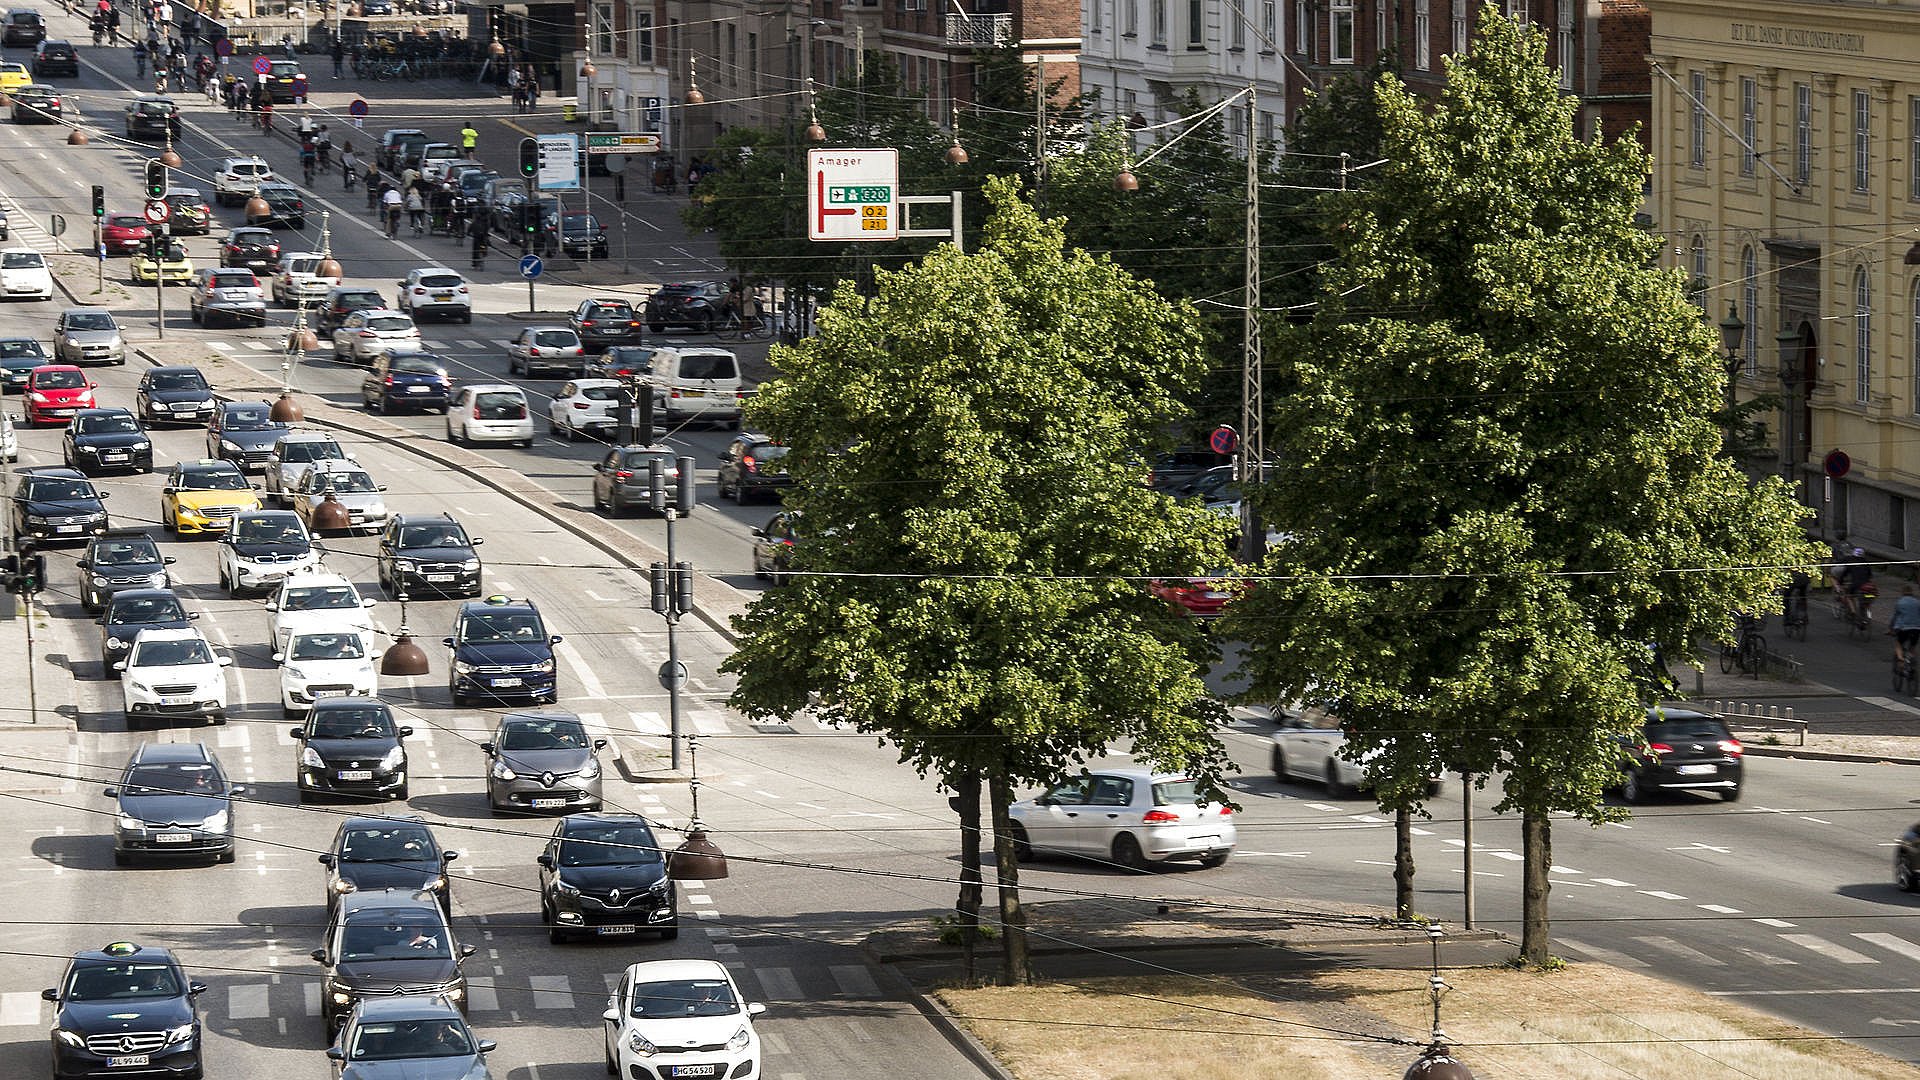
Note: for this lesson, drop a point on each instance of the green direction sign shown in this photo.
(623, 142)
(855, 194)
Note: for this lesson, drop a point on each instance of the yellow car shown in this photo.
(204, 497)
(176, 268)
(13, 77)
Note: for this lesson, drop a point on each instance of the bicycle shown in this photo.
(1794, 617)
(307, 168)
(1748, 652)
(1906, 675)
(735, 327)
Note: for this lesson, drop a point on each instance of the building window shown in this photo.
(1095, 23)
(1565, 40)
(1157, 11)
(1459, 27)
(1862, 334)
(1238, 16)
(1130, 18)
(1862, 141)
(603, 29)
(642, 36)
(1916, 347)
(1750, 308)
(1699, 284)
(1697, 120)
(733, 54)
(1380, 26)
(1196, 24)
(1749, 124)
(753, 60)
(1423, 34)
(1302, 28)
(1269, 124)
(1517, 9)
(1802, 132)
(1340, 33)
(1269, 25)
(1913, 147)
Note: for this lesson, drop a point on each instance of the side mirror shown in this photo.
(237, 789)
(381, 487)
(1044, 800)
(447, 641)
(105, 494)
(758, 533)
(326, 860)
(84, 564)
(196, 988)
(120, 665)
(486, 748)
(449, 856)
(475, 542)
(319, 956)
(273, 604)
(336, 1054)
(545, 862)
(611, 1016)
(281, 658)
(406, 732)
(554, 640)
(466, 951)
(368, 602)
(755, 1008)
(225, 661)
(402, 284)
(599, 744)
(169, 560)
(488, 1046)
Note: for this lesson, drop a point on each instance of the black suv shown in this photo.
(747, 470)
(604, 323)
(342, 301)
(431, 555)
(385, 942)
(102, 439)
(501, 649)
(127, 613)
(371, 853)
(174, 800)
(245, 433)
(117, 561)
(23, 27)
(351, 746)
(605, 874)
(152, 116)
(1680, 750)
(56, 58)
(52, 503)
(285, 207)
(694, 304)
(255, 249)
(126, 1008)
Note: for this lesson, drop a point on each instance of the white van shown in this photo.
(489, 412)
(697, 384)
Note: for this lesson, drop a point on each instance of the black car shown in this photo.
(695, 304)
(773, 547)
(191, 214)
(603, 875)
(174, 800)
(23, 27)
(284, 79)
(370, 853)
(501, 649)
(351, 746)
(54, 503)
(342, 301)
(285, 207)
(153, 116)
(126, 1008)
(118, 561)
(127, 613)
(1680, 750)
(56, 58)
(409, 1037)
(428, 555)
(396, 143)
(253, 248)
(473, 184)
(1172, 468)
(170, 395)
(244, 432)
(99, 440)
(18, 357)
(622, 361)
(747, 469)
(36, 104)
(604, 323)
(385, 942)
(574, 232)
(413, 382)
(623, 479)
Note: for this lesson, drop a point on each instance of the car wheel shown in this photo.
(458, 697)
(400, 793)
(226, 856)
(1022, 846)
(305, 796)
(670, 933)
(1731, 794)
(121, 858)
(451, 437)
(467, 317)
(1126, 852)
(1216, 860)
(1336, 789)
(613, 1067)
(1632, 791)
(1279, 765)
(1903, 875)
(656, 327)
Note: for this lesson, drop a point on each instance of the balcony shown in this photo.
(979, 31)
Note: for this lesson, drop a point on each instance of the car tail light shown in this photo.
(577, 350)
(752, 466)
(368, 334)
(1226, 811)
(1160, 817)
(1658, 748)
(298, 205)
(623, 474)
(586, 322)
(579, 404)
(1732, 746)
(420, 290)
(389, 380)
(740, 398)
(674, 394)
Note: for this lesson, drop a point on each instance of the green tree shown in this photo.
(969, 583)
(1504, 480)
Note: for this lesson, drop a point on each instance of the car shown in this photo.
(126, 1007)
(238, 179)
(449, 181)
(119, 560)
(13, 77)
(36, 104)
(1680, 750)
(434, 290)
(228, 293)
(88, 335)
(500, 201)
(245, 433)
(6, 226)
(18, 357)
(261, 549)
(342, 301)
(387, 942)
(1203, 597)
(545, 350)
(747, 469)
(54, 57)
(364, 335)
(697, 384)
(124, 234)
(392, 143)
(585, 407)
(204, 497)
(773, 547)
(379, 852)
(102, 439)
(622, 362)
(681, 1018)
(129, 612)
(24, 276)
(253, 249)
(172, 395)
(347, 484)
(54, 392)
(173, 265)
(190, 213)
(604, 322)
(1208, 485)
(173, 673)
(542, 761)
(407, 1037)
(285, 81)
(575, 232)
(501, 649)
(605, 875)
(428, 555)
(53, 503)
(292, 454)
(297, 282)
(314, 601)
(623, 479)
(152, 116)
(329, 664)
(489, 412)
(23, 26)
(410, 381)
(433, 158)
(692, 304)
(1172, 468)
(1310, 746)
(284, 207)
(473, 184)
(1133, 817)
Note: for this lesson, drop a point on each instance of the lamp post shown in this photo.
(697, 858)
(1733, 333)
(329, 266)
(404, 656)
(299, 340)
(1437, 1062)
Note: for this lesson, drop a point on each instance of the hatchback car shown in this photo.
(99, 440)
(681, 1018)
(245, 433)
(622, 362)
(409, 1037)
(747, 469)
(773, 547)
(433, 555)
(605, 322)
(394, 143)
(584, 407)
(623, 479)
(238, 179)
(261, 549)
(152, 116)
(1132, 817)
(117, 561)
(1680, 750)
(605, 875)
(297, 280)
(317, 666)
(292, 455)
(24, 276)
(229, 294)
(409, 381)
(52, 503)
(190, 212)
(351, 745)
(252, 249)
(51, 58)
(174, 800)
(126, 1008)
(127, 613)
(285, 81)
(501, 649)
(369, 853)
(54, 392)
(342, 301)
(22, 27)
(172, 264)
(124, 234)
(88, 335)
(436, 291)
(36, 104)
(386, 942)
(204, 497)
(489, 412)
(696, 305)
(548, 351)
(172, 395)
(1310, 746)
(347, 484)
(575, 232)
(313, 602)
(285, 208)
(364, 335)
(18, 357)
(173, 673)
(542, 761)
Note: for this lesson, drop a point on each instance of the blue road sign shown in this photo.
(262, 65)
(530, 266)
(358, 108)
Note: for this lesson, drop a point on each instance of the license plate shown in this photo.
(549, 804)
(330, 693)
(506, 682)
(439, 578)
(694, 1070)
(356, 774)
(416, 389)
(693, 393)
(113, 457)
(177, 700)
(441, 298)
(1696, 770)
(173, 838)
(623, 929)
(1203, 841)
(66, 528)
(134, 1060)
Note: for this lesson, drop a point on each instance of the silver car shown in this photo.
(1130, 816)
(227, 292)
(291, 455)
(297, 280)
(350, 485)
(364, 335)
(542, 761)
(88, 335)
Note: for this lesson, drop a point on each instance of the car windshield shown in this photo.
(251, 239)
(638, 460)
(302, 265)
(610, 309)
(12, 347)
(250, 168)
(119, 982)
(90, 320)
(269, 531)
(176, 380)
(341, 482)
(249, 419)
(419, 536)
(630, 359)
(405, 844)
(543, 735)
(501, 406)
(441, 281)
(286, 69)
(356, 301)
(394, 935)
(312, 450)
(124, 221)
(173, 652)
(22, 260)
(320, 598)
(59, 490)
(327, 647)
(555, 338)
(391, 324)
(484, 627)
(609, 845)
(388, 1041)
(185, 200)
(600, 393)
(126, 553)
(144, 610)
(767, 452)
(214, 480)
(706, 366)
(416, 366)
(581, 223)
(358, 722)
(155, 108)
(184, 777)
(110, 424)
(684, 997)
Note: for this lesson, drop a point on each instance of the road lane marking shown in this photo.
(1838, 953)
(1658, 895)
(482, 996)
(1892, 943)
(19, 1008)
(1765, 958)
(854, 979)
(1890, 705)
(1507, 855)
(1608, 956)
(779, 984)
(1685, 952)
(1781, 923)
(551, 991)
(1720, 909)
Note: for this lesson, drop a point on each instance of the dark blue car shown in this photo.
(125, 1009)
(411, 382)
(501, 649)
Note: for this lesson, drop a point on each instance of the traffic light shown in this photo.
(99, 201)
(156, 179)
(33, 574)
(672, 587)
(657, 578)
(682, 588)
(683, 488)
(657, 485)
(529, 158)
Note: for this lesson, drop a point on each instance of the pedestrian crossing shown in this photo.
(1852, 953)
(254, 345)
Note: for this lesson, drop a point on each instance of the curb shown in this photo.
(937, 1015)
(1821, 755)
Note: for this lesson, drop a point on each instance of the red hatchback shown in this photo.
(1202, 598)
(123, 234)
(55, 392)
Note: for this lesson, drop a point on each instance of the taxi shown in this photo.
(205, 496)
(13, 77)
(126, 1008)
(174, 268)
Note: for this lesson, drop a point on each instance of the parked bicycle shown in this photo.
(1748, 650)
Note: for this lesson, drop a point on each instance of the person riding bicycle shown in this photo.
(323, 142)
(349, 165)
(309, 160)
(1794, 612)
(1905, 626)
(1854, 578)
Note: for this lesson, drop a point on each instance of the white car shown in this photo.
(24, 276)
(262, 548)
(681, 1018)
(172, 672)
(295, 280)
(9, 439)
(364, 335)
(489, 412)
(435, 290)
(350, 485)
(545, 350)
(324, 665)
(291, 457)
(239, 178)
(1311, 746)
(315, 603)
(585, 406)
(1129, 816)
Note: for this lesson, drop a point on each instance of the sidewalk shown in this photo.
(39, 751)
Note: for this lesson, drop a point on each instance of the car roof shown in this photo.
(235, 406)
(244, 161)
(538, 329)
(371, 312)
(596, 382)
(285, 255)
(175, 369)
(131, 595)
(171, 633)
(388, 899)
(308, 436)
(491, 387)
(103, 410)
(650, 971)
(568, 823)
(55, 472)
(158, 752)
(1129, 773)
(118, 952)
(381, 821)
(422, 519)
(270, 515)
(195, 192)
(436, 270)
(1658, 715)
(313, 577)
(409, 1007)
(87, 309)
(540, 716)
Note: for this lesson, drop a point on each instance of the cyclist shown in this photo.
(1795, 612)
(391, 203)
(309, 160)
(323, 142)
(416, 210)
(349, 165)
(139, 61)
(1905, 626)
(1854, 577)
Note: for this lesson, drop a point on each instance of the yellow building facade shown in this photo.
(1786, 182)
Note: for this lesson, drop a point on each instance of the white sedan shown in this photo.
(1130, 816)
(1311, 745)
(24, 276)
(314, 603)
(585, 407)
(324, 665)
(681, 1018)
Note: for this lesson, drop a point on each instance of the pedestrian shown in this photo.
(139, 61)
(533, 90)
(409, 177)
(416, 211)
(469, 139)
(339, 52)
(349, 166)
(392, 203)
(113, 24)
(620, 186)
(514, 88)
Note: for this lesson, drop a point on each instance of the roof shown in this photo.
(170, 633)
(650, 971)
(571, 821)
(115, 952)
(409, 1007)
(417, 519)
(494, 387)
(57, 472)
(385, 899)
(308, 436)
(102, 410)
(1129, 772)
(169, 369)
(310, 578)
(498, 603)
(157, 752)
(269, 515)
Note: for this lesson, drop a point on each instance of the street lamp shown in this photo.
(815, 133)
(329, 266)
(1437, 1062)
(404, 656)
(697, 858)
(299, 340)
(169, 157)
(956, 154)
(1733, 333)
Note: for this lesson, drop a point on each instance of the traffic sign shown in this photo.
(262, 65)
(615, 164)
(1837, 464)
(623, 142)
(559, 157)
(223, 47)
(358, 108)
(530, 266)
(157, 211)
(1224, 440)
(850, 194)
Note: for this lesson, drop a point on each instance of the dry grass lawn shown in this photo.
(1589, 1022)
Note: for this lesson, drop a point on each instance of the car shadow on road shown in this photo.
(1877, 892)
(77, 852)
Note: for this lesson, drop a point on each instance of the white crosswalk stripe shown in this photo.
(471, 344)
(1893, 944)
(1609, 956)
(1685, 952)
(551, 991)
(854, 979)
(1838, 953)
(19, 1008)
(779, 983)
(482, 996)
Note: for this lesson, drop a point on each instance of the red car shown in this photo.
(123, 234)
(1202, 598)
(54, 393)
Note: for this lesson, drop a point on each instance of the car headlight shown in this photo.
(455, 991)
(470, 564)
(89, 449)
(36, 519)
(341, 997)
(638, 1043)
(180, 1034)
(116, 643)
(395, 758)
(590, 770)
(71, 1038)
(142, 445)
(403, 566)
(435, 884)
(342, 886)
(740, 1039)
(218, 820)
(38, 398)
(140, 687)
(501, 772)
(99, 582)
(311, 758)
(560, 886)
(461, 667)
(229, 444)
(544, 665)
(295, 673)
(131, 823)
(157, 579)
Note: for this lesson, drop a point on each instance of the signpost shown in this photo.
(1223, 440)
(623, 142)
(851, 194)
(262, 65)
(358, 110)
(156, 211)
(530, 267)
(559, 157)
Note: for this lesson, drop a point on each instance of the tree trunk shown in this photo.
(1537, 840)
(1014, 967)
(967, 802)
(1403, 863)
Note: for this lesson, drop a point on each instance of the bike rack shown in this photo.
(1769, 715)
